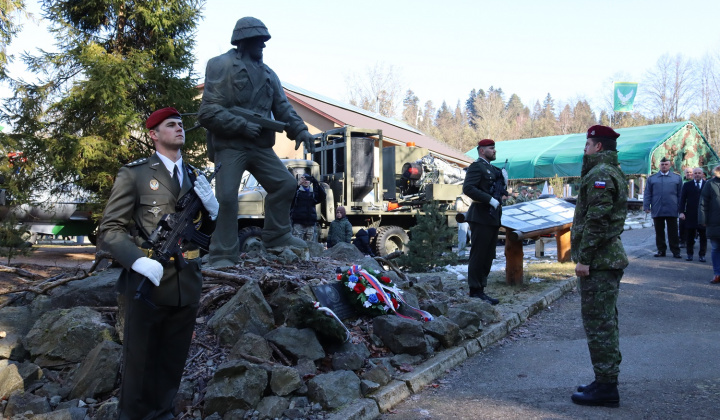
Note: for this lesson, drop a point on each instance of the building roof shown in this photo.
(394, 131)
(639, 151)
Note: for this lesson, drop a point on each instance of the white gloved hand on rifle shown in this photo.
(494, 203)
(205, 193)
(149, 268)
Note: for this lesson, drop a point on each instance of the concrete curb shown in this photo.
(424, 374)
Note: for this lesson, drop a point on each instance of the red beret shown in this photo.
(486, 142)
(601, 132)
(161, 115)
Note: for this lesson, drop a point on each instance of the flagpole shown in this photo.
(612, 115)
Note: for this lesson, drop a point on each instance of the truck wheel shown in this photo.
(246, 233)
(390, 239)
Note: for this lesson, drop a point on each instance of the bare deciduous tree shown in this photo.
(490, 120)
(379, 90)
(708, 117)
(565, 120)
(669, 88)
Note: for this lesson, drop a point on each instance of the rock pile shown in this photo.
(255, 353)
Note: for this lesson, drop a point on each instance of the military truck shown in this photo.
(380, 186)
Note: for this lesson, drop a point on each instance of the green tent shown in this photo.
(639, 151)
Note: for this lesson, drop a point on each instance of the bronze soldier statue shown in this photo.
(241, 97)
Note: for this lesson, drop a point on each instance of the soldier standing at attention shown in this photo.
(485, 185)
(238, 83)
(156, 339)
(600, 215)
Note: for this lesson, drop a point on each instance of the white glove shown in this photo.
(204, 191)
(494, 203)
(149, 268)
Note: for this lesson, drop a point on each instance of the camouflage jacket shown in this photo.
(600, 213)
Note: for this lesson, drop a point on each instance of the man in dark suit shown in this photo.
(156, 339)
(689, 201)
(681, 223)
(485, 185)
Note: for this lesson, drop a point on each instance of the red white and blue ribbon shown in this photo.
(330, 312)
(382, 290)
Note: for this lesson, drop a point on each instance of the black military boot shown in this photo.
(480, 294)
(582, 388)
(598, 394)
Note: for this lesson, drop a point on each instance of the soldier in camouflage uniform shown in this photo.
(600, 215)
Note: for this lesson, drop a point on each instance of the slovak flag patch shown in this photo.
(600, 184)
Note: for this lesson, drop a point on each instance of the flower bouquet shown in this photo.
(373, 294)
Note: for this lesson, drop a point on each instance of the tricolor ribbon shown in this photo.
(382, 291)
(330, 312)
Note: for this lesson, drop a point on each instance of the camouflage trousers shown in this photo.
(599, 293)
(306, 233)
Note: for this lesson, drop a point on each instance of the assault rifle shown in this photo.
(253, 117)
(172, 232)
(499, 187)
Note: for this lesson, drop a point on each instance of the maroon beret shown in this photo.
(161, 115)
(601, 132)
(486, 142)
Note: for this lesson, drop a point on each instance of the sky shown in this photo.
(572, 49)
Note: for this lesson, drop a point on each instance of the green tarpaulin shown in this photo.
(639, 151)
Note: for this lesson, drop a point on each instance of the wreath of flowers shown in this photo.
(364, 295)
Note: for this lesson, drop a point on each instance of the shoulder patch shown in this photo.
(599, 184)
(137, 162)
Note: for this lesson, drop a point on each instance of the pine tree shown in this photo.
(411, 108)
(518, 116)
(12, 242)
(428, 247)
(117, 61)
(583, 117)
(10, 11)
(427, 120)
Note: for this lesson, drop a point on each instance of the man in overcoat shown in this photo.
(661, 198)
(485, 185)
(237, 82)
(689, 203)
(600, 213)
(157, 334)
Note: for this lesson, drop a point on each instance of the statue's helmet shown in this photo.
(249, 27)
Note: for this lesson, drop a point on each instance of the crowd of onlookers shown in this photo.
(303, 213)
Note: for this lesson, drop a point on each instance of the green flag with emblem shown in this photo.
(624, 96)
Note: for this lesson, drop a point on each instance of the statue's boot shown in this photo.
(285, 240)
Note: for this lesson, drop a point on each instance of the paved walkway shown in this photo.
(669, 337)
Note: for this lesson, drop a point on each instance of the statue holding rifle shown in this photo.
(241, 97)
